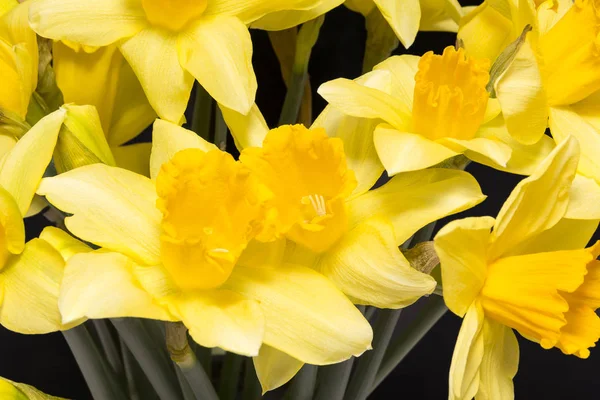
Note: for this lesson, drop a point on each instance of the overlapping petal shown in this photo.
(274, 368)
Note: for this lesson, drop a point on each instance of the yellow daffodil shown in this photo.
(174, 248)
(425, 110)
(526, 270)
(113, 88)
(30, 273)
(10, 390)
(169, 43)
(553, 80)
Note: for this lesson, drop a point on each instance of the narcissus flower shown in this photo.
(425, 110)
(174, 248)
(527, 270)
(30, 273)
(113, 88)
(10, 390)
(168, 43)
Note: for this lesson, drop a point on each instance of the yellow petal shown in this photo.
(404, 18)
(357, 100)
(305, 315)
(462, 248)
(38, 204)
(10, 390)
(251, 10)
(360, 6)
(358, 144)
(112, 207)
(218, 53)
(100, 23)
(168, 139)
(468, 356)
(22, 168)
(584, 199)
(521, 94)
(414, 199)
(500, 362)
(404, 151)
(288, 19)
(133, 157)
(564, 121)
(263, 255)
(368, 267)
(538, 202)
(153, 51)
(6, 5)
(222, 318)
(247, 130)
(493, 150)
(274, 368)
(381, 40)
(64, 243)
(12, 228)
(403, 70)
(30, 282)
(100, 284)
(440, 15)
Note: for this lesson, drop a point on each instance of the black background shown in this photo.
(46, 362)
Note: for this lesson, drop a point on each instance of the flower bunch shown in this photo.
(295, 246)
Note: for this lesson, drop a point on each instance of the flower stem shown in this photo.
(108, 346)
(220, 130)
(368, 365)
(303, 385)
(230, 374)
(426, 319)
(201, 118)
(252, 389)
(101, 381)
(333, 380)
(152, 359)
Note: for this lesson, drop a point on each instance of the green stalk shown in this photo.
(109, 346)
(252, 389)
(100, 380)
(307, 37)
(220, 130)
(183, 356)
(368, 365)
(201, 118)
(408, 339)
(152, 359)
(333, 380)
(230, 375)
(204, 356)
(188, 393)
(303, 385)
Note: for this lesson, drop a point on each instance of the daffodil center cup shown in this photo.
(173, 14)
(450, 96)
(570, 54)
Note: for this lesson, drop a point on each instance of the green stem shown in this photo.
(303, 385)
(230, 375)
(204, 356)
(153, 360)
(220, 130)
(423, 235)
(102, 383)
(138, 386)
(252, 390)
(201, 118)
(368, 365)
(333, 380)
(188, 393)
(408, 339)
(109, 346)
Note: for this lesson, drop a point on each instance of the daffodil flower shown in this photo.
(113, 88)
(30, 273)
(10, 390)
(174, 248)
(169, 43)
(526, 270)
(554, 80)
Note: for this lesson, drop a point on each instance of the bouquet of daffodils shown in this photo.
(176, 270)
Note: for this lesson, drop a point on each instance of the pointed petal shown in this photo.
(218, 53)
(222, 318)
(112, 208)
(414, 199)
(290, 18)
(11, 223)
(133, 157)
(521, 94)
(251, 10)
(468, 356)
(404, 151)
(64, 243)
(168, 139)
(153, 53)
(584, 199)
(274, 368)
(403, 16)
(97, 23)
(368, 267)
(100, 284)
(462, 248)
(403, 70)
(305, 315)
(538, 202)
(498, 152)
(247, 130)
(30, 283)
(440, 15)
(22, 168)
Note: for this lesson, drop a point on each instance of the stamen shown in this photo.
(318, 203)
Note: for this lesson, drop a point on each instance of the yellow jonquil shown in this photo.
(113, 88)
(173, 248)
(168, 43)
(425, 110)
(531, 273)
(30, 273)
